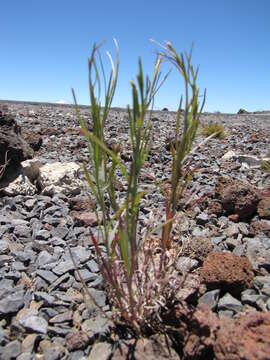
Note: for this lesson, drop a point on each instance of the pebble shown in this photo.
(228, 302)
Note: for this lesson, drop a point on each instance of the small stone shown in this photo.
(46, 298)
(61, 318)
(25, 356)
(63, 267)
(202, 218)
(93, 266)
(43, 235)
(12, 303)
(86, 275)
(11, 351)
(100, 351)
(264, 208)
(228, 302)
(44, 258)
(266, 289)
(98, 325)
(51, 350)
(29, 343)
(47, 275)
(35, 323)
(210, 298)
(186, 264)
(77, 340)
(232, 231)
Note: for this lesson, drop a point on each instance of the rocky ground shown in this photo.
(223, 230)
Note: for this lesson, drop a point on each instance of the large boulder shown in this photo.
(13, 148)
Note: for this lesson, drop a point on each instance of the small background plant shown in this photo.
(215, 129)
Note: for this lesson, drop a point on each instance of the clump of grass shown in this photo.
(136, 271)
(188, 118)
(213, 129)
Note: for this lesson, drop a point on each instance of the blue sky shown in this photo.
(45, 46)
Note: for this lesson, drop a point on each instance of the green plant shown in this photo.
(189, 118)
(135, 270)
(215, 129)
(265, 165)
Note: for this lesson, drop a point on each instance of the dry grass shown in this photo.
(209, 129)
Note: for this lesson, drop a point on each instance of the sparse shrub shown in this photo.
(137, 272)
(213, 129)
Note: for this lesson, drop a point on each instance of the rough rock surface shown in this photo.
(237, 197)
(12, 146)
(227, 271)
(246, 338)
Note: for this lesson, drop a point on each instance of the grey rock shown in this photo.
(10, 351)
(6, 284)
(4, 247)
(45, 258)
(78, 355)
(47, 276)
(186, 264)
(22, 231)
(80, 254)
(98, 325)
(43, 235)
(46, 298)
(25, 356)
(93, 266)
(258, 248)
(86, 275)
(232, 231)
(57, 282)
(12, 303)
(202, 218)
(226, 313)
(35, 323)
(266, 289)
(64, 267)
(3, 337)
(232, 243)
(61, 318)
(210, 298)
(101, 351)
(260, 281)
(60, 231)
(228, 302)
(239, 250)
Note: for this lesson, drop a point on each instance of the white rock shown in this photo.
(228, 155)
(20, 186)
(31, 168)
(60, 178)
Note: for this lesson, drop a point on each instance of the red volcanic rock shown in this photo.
(77, 340)
(247, 338)
(200, 339)
(227, 271)
(237, 197)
